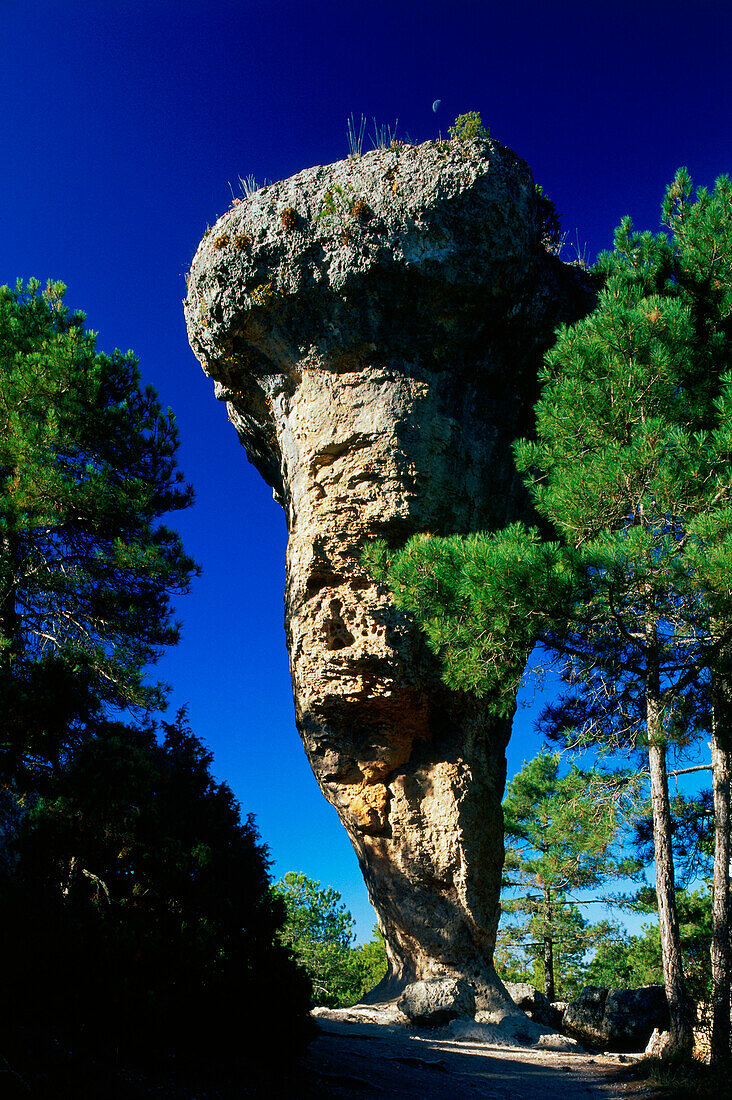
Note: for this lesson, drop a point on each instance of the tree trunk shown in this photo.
(9, 618)
(720, 950)
(682, 1038)
(13, 716)
(681, 1033)
(548, 947)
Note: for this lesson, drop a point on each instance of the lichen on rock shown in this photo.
(378, 351)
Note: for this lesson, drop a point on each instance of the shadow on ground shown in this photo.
(362, 1061)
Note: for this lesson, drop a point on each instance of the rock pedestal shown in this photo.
(375, 328)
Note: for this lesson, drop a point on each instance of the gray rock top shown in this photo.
(428, 257)
(466, 211)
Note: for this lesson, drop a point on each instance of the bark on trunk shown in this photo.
(681, 1032)
(9, 618)
(682, 1037)
(720, 950)
(548, 948)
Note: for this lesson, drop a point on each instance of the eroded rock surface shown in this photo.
(534, 1003)
(375, 328)
(617, 1019)
(436, 1002)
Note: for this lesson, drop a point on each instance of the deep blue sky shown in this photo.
(122, 125)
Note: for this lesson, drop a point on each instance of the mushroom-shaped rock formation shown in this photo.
(375, 328)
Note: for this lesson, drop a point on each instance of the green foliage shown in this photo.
(693, 830)
(315, 914)
(468, 127)
(562, 835)
(136, 917)
(87, 571)
(630, 467)
(371, 961)
(479, 600)
(520, 955)
(561, 831)
(319, 929)
(627, 962)
(337, 201)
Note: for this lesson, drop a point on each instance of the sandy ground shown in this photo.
(356, 1059)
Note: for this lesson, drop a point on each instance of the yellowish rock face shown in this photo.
(376, 333)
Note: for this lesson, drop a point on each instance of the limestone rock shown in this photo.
(584, 1015)
(562, 1043)
(381, 1017)
(375, 327)
(476, 1031)
(617, 1019)
(434, 1003)
(515, 1030)
(659, 1044)
(631, 1015)
(533, 1002)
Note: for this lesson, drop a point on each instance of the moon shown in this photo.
(436, 104)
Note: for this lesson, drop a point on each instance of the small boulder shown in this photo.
(631, 1015)
(436, 1002)
(658, 1044)
(617, 1019)
(583, 1017)
(558, 1008)
(562, 1043)
(477, 1031)
(525, 996)
(535, 1004)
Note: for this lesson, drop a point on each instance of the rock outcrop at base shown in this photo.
(375, 328)
(437, 1002)
(534, 1003)
(617, 1019)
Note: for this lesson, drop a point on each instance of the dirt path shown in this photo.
(358, 1061)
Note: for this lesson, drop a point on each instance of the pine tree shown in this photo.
(136, 914)
(520, 948)
(702, 234)
(561, 837)
(319, 930)
(87, 570)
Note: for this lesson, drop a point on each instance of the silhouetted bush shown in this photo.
(136, 920)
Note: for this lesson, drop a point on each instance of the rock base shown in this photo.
(510, 1031)
(436, 1003)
